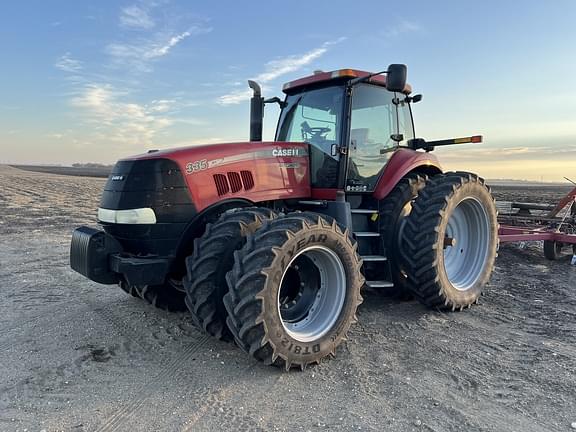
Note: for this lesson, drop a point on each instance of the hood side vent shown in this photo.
(235, 182)
(247, 180)
(222, 186)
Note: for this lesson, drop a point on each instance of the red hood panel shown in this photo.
(228, 148)
(255, 171)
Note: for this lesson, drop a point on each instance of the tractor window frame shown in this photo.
(341, 131)
(408, 119)
(395, 126)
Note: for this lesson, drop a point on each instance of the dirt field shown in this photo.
(78, 356)
(102, 172)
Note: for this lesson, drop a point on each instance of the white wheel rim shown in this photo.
(469, 227)
(321, 310)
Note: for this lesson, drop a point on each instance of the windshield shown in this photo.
(315, 118)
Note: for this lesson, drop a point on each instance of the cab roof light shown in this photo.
(345, 73)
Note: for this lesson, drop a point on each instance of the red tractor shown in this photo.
(271, 243)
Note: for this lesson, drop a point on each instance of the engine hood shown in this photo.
(216, 149)
(253, 171)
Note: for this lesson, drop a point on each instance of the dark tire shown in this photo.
(287, 265)
(166, 297)
(128, 289)
(552, 249)
(442, 274)
(392, 217)
(213, 257)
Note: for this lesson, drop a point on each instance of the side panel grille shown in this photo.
(233, 182)
(221, 184)
(247, 179)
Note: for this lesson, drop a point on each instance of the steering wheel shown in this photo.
(314, 131)
(319, 130)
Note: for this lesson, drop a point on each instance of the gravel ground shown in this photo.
(78, 356)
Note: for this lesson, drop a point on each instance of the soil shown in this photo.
(78, 356)
(102, 171)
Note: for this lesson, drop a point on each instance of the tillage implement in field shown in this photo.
(554, 225)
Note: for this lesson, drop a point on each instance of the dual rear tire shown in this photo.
(392, 217)
(451, 241)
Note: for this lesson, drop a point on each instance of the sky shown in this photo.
(95, 81)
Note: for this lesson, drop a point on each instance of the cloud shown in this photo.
(109, 101)
(277, 68)
(235, 97)
(136, 17)
(139, 55)
(401, 28)
(160, 51)
(119, 120)
(68, 64)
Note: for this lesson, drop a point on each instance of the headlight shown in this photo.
(132, 216)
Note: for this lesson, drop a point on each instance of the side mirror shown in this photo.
(396, 78)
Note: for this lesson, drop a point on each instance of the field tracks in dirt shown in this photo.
(170, 371)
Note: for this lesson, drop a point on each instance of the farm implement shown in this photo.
(270, 243)
(554, 225)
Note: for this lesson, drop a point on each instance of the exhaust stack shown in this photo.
(256, 112)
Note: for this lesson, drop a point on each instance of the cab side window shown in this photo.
(373, 122)
(314, 117)
(405, 126)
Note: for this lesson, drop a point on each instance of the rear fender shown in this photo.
(405, 161)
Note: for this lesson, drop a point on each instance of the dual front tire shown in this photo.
(286, 288)
(294, 290)
(212, 258)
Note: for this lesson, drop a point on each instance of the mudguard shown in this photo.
(401, 163)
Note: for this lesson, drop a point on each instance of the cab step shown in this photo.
(379, 284)
(373, 258)
(364, 211)
(367, 234)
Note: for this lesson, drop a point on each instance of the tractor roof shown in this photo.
(337, 75)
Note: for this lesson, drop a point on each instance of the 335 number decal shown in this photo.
(192, 167)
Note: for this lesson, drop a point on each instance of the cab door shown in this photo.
(373, 122)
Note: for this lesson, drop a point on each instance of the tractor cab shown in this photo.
(352, 122)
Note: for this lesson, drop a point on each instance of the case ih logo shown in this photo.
(286, 152)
